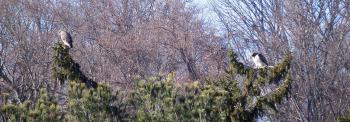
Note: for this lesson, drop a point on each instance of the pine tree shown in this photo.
(65, 68)
(86, 100)
(84, 103)
(45, 109)
(249, 102)
(345, 118)
(160, 99)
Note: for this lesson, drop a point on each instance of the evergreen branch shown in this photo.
(277, 95)
(235, 66)
(281, 69)
(65, 68)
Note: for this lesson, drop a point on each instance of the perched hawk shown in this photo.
(66, 38)
(259, 60)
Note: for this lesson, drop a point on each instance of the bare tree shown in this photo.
(26, 36)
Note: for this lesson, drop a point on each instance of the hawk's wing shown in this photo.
(69, 40)
(263, 59)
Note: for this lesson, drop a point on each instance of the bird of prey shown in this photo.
(259, 60)
(66, 38)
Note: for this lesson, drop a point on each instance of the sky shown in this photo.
(207, 14)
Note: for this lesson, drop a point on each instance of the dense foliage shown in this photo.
(159, 98)
(345, 118)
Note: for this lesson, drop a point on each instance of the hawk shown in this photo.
(66, 38)
(259, 60)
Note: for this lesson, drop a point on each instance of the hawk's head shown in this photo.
(60, 32)
(254, 54)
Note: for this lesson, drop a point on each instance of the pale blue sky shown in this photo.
(207, 13)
